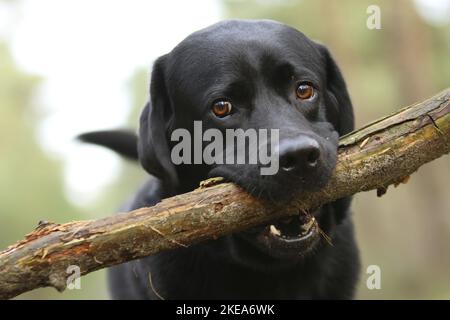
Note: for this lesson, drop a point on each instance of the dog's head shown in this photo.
(249, 75)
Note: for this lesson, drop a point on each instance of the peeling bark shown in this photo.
(374, 157)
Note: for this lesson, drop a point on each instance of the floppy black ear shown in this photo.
(337, 94)
(153, 146)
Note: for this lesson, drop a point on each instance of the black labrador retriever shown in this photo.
(245, 74)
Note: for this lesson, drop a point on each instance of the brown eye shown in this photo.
(221, 108)
(304, 91)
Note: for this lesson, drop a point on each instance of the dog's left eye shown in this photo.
(221, 108)
(304, 91)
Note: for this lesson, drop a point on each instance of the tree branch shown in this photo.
(381, 153)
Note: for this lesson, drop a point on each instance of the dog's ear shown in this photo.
(337, 95)
(155, 121)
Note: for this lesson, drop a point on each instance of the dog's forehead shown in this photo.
(231, 46)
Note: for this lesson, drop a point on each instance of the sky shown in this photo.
(86, 52)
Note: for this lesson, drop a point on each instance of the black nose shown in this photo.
(299, 154)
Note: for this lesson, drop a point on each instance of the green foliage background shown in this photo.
(406, 232)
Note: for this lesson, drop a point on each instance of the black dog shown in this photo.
(245, 74)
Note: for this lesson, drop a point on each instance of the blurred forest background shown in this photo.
(406, 232)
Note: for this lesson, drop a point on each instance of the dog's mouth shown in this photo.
(287, 237)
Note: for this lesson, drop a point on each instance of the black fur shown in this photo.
(122, 141)
(256, 65)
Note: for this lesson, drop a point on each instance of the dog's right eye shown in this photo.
(221, 108)
(304, 91)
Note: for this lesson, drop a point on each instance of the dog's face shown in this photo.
(251, 75)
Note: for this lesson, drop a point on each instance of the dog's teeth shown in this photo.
(274, 230)
(308, 225)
